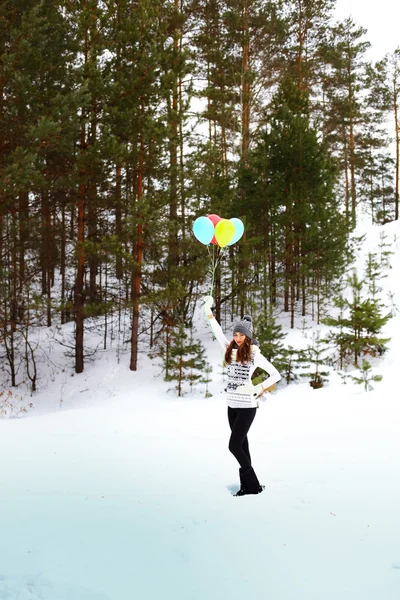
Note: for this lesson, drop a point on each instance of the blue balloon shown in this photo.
(203, 229)
(239, 230)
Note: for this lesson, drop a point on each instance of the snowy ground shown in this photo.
(123, 491)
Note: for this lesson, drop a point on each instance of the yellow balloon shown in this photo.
(224, 232)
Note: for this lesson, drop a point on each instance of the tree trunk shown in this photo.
(137, 258)
(245, 85)
(92, 237)
(300, 37)
(23, 234)
(397, 142)
(346, 175)
(352, 158)
(272, 265)
(92, 206)
(288, 268)
(181, 161)
(173, 256)
(47, 253)
(62, 260)
(79, 282)
(118, 219)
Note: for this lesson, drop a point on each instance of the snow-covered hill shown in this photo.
(112, 488)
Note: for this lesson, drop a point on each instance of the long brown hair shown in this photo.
(243, 354)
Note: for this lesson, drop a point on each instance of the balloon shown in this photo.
(239, 230)
(214, 219)
(203, 230)
(224, 232)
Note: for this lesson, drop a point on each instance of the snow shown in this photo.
(113, 488)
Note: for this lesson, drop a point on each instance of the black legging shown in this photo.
(240, 420)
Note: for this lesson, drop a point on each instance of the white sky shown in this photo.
(381, 19)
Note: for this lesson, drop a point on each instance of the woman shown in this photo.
(242, 357)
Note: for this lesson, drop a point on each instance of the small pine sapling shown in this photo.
(385, 254)
(186, 361)
(206, 379)
(293, 359)
(315, 354)
(270, 336)
(304, 327)
(343, 376)
(373, 272)
(359, 323)
(366, 376)
(393, 306)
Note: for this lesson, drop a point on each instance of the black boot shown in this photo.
(249, 483)
(243, 490)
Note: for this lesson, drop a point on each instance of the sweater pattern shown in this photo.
(239, 374)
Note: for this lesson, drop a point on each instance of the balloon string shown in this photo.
(215, 258)
(212, 267)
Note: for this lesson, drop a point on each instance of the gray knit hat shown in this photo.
(244, 326)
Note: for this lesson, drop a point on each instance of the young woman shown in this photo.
(242, 357)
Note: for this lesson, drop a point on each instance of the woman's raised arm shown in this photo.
(215, 326)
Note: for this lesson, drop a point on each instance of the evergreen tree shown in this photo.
(88, 18)
(270, 336)
(293, 360)
(186, 362)
(394, 70)
(344, 52)
(136, 120)
(316, 356)
(384, 84)
(366, 376)
(309, 23)
(373, 273)
(35, 141)
(290, 197)
(376, 184)
(384, 252)
(206, 379)
(359, 324)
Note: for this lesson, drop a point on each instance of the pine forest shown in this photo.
(122, 122)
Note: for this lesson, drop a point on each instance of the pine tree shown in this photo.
(395, 87)
(35, 126)
(136, 120)
(290, 193)
(206, 379)
(376, 184)
(384, 252)
(366, 376)
(359, 324)
(309, 23)
(211, 165)
(270, 336)
(292, 361)
(384, 78)
(186, 361)
(344, 52)
(89, 43)
(373, 273)
(316, 356)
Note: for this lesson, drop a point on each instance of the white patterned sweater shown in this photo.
(239, 374)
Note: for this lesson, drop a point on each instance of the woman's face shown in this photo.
(239, 337)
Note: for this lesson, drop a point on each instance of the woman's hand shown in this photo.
(208, 303)
(253, 390)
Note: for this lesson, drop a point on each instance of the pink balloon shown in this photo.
(214, 219)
